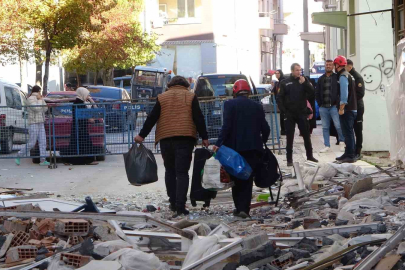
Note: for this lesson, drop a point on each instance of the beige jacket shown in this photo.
(36, 109)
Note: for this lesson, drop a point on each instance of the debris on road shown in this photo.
(336, 216)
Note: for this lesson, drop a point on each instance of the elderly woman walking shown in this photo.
(36, 119)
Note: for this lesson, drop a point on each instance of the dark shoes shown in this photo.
(341, 157)
(312, 159)
(348, 160)
(240, 214)
(172, 207)
(290, 163)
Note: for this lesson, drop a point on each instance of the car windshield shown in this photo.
(220, 85)
(145, 78)
(319, 69)
(117, 83)
(105, 93)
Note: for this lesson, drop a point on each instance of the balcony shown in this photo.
(181, 20)
(178, 12)
(266, 21)
(280, 27)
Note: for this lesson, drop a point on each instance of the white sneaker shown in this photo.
(342, 147)
(326, 149)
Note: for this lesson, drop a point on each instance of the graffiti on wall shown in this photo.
(374, 74)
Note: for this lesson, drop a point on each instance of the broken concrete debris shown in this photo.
(336, 216)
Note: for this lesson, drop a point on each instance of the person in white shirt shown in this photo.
(36, 120)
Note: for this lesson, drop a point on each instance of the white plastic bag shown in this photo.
(212, 176)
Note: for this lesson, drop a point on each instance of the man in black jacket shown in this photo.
(328, 97)
(245, 130)
(360, 91)
(292, 101)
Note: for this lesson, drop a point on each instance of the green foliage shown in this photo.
(120, 43)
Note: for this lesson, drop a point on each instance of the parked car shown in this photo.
(210, 86)
(115, 101)
(123, 82)
(13, 117)
(267, 100)
(58, 125)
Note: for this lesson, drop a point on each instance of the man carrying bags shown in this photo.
(244, 130)
(178, 117)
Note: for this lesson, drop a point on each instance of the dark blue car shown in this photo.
(116, 101)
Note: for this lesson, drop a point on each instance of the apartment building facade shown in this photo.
(207, 36)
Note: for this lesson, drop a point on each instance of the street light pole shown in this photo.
(306, 43)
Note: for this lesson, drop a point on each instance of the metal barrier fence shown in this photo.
(66, 130)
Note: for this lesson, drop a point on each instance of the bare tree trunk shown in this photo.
(79, 83)
(38, 69)
(46, 75)
(108, 76)
(95, 77)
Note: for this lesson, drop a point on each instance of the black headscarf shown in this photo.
(281, 75)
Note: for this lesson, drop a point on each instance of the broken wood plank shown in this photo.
(388, 262)
(384, 171)
(17, 263)
(6, 245)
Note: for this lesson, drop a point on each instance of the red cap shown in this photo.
(241, 85)
(340, 60)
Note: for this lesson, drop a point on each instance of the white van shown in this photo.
(13, 117)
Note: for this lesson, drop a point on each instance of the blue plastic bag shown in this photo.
(233, 163)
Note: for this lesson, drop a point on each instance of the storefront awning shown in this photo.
(336, 19)
(318, 37)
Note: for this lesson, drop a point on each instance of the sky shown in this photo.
(293, 46)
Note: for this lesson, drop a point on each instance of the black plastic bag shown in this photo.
(268, 170)
(198, 193)
(140, 164)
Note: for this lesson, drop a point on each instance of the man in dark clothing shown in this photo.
(347, 108)
(327, 96)
(360, 91)
(178, 117)
(245, 130)
(292, 101)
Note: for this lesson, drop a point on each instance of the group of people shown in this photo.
(79, 140)
(339, 95)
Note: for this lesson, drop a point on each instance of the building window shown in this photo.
(352, 27)
(185, 8)
(399, 13)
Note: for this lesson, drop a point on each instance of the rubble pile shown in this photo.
(329, 217)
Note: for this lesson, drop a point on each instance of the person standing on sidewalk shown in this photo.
(360, 91)
(280, 77)
(178, 117)
(36, 120)
(347, 108)
(292, 101)
(327, 95)
(244, 130)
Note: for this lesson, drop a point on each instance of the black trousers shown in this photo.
(177, 155)
(282, 125)
(303, 126)
(358, 129)
(242, 191)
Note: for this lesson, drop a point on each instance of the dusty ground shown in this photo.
(107, 183)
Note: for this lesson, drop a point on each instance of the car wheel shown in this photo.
(34, 153)
(100, 158)
(6, 145)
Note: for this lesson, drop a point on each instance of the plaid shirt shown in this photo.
(327, 85)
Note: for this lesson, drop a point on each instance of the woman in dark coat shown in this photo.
(80, 141)
(280, 77)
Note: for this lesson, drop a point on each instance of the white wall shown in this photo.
(237, 37)
(375, 61)
(12, 74)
